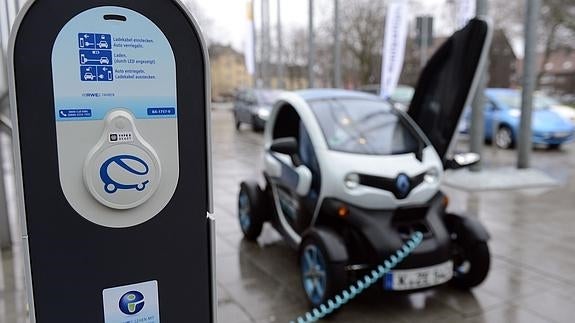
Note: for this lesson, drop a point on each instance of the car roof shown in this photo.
(324, 94)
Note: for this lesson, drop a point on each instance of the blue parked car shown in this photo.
(502, 119)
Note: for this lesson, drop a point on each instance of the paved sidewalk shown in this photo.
(533, 250)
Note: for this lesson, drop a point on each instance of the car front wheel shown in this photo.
(504, 138)
(471, 265)
(322, 276)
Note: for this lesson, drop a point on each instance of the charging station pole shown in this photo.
(110, 101)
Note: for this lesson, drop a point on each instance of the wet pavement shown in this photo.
(533, 247)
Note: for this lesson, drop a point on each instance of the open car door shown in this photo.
(448, 83)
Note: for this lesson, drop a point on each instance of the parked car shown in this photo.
(565, 111)
(253, 107)
(502, 120)
(402, 96)
(349, 178)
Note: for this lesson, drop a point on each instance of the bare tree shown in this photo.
(558, 26)
(295, 54)
(556, 30)
(363, 27)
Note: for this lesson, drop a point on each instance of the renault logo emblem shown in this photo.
(403, 185)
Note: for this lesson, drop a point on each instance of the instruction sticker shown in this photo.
(136, 303)
(100, 64)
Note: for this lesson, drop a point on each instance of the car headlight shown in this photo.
(263, 113)
(351, 181)
(516, 113)
(432, 176)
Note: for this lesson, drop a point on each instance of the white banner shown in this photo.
(250, 41)
(465, 12)
(395, 37)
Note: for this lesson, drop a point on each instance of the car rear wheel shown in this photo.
(504, 138)
(256, 127)
(251, 210)
(237, 122)
(322, 276)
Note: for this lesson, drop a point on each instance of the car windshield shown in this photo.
(512, 100)
(545, 100)
(267, 97)
(362, 126)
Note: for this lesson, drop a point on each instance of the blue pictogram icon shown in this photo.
(94, 41)
(87, 41)
(105, 73)
(103, 41)
(138, 168)
(95, 57)
(88, 73)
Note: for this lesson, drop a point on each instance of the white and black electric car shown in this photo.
(349, 178)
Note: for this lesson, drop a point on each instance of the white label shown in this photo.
(119, 137)
(132, 303)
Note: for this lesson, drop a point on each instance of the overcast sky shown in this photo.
(228, 17)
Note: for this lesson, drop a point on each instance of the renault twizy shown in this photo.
(349, 178)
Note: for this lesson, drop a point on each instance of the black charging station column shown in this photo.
(110, 100)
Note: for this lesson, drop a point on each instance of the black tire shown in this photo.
(255, 126)
(237, 123)
(250, 210)
(472, 265)
(504, 138)
(327, 244)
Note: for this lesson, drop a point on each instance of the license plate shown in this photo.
(418, 278)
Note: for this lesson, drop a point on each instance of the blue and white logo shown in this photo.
(132, 303)
(403, 185)
(130, 164)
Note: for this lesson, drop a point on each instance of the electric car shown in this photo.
(349, 178)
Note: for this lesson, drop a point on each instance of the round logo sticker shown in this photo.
(132, 303)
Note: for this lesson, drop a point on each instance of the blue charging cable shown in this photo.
(357, 288)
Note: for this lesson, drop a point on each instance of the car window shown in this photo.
(545, 100)
(512, 100)
(250, 97)
(363, 126)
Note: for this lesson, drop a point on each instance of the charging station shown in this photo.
(110, 101)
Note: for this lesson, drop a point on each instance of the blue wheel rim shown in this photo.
(314, 274)
(244, 211)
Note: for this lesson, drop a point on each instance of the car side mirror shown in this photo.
(287, 146)
(462, 160)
